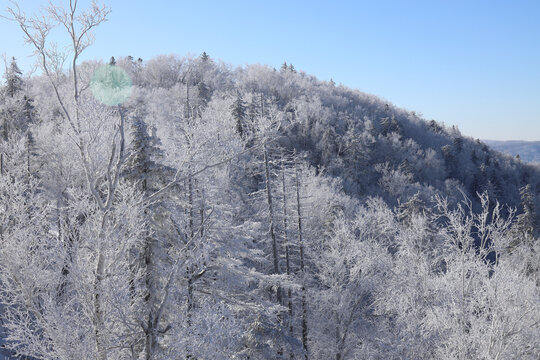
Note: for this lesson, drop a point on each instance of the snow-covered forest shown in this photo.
(249, 213)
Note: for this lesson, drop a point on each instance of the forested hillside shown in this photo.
(254, 213)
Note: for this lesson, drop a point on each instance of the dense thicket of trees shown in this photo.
(253, 213)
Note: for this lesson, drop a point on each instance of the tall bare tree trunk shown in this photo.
(275, 253)
(287, 258)
(99, 322)
(149, 299)
(190, 269)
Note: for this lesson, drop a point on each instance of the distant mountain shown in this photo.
(528, 151)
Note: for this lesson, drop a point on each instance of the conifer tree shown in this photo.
(14, 82)
(449, 159)
(413, 207)
(144, 170)
(389, 125)
(526, 221)
(16, 107)
(238, 111)
(142, 166)
(205, 57)
(205, 94)
(31, 152)
(458, 144)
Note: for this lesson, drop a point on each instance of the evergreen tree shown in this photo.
(142, 166)
(31, 152)
(449, 159)
(415, 206)
(14, 82)
(205, 94)
(474, 158)
(390, 125)
(458, 144)
(435, 127)
(16, 109)
(406, 168)
(238, 111)
(526, 221)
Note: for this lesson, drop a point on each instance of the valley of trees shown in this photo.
(250, 213)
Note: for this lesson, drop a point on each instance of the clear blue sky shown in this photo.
(474, 64)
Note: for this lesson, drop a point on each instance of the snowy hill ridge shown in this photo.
(255, 213)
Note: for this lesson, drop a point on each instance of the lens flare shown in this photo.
(111, 85)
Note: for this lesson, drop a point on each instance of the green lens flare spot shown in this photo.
(111, 85)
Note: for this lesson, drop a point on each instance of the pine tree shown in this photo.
(205, 94)
(31, 152)
(16, 109)
(474, 158)
(406, 168)
(390, 125)
(142, 166)
(525, 222)
(14, 82)
(435, 127)
(449, 159)
(238, 111)
(413, 207)
(143, 169)
(458, 144)
(205, 57)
